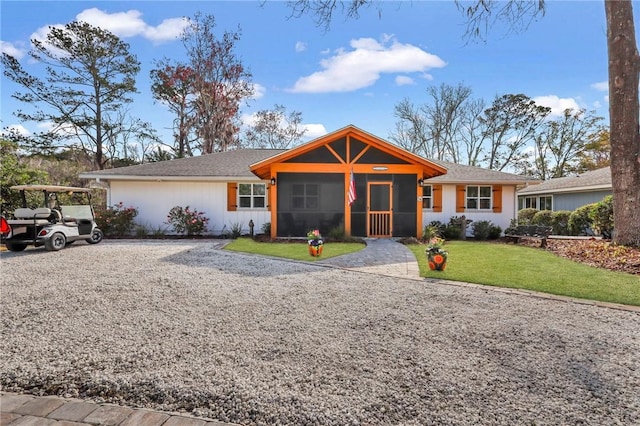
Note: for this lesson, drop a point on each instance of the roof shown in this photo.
(216, 166)
(595, 180)
(457, 173)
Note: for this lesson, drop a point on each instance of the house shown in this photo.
(567, 193)
(396, 192)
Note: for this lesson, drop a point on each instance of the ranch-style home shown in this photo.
(348, 178)
(569, 192)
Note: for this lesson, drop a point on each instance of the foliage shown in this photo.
(337, 233)
(542, 218)
(314, 238)
(435, 247)
(525, 216)
(185, 220)
(15, 171)
(235, 229)
(266, 228)
(580, 220)
(456, 228)
(274, 129)
(431, 231)
(601, 215)
(90, 77)
(116, 220)
(596, 153)
(560, 222)
(484, 229)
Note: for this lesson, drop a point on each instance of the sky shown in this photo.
(355, 72)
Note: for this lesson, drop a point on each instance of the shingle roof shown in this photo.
(471, 174)
(595, 179)
(220, 164)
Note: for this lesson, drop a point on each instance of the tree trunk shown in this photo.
(624, 109)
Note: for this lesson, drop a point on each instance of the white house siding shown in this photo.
(154, 200)
(503, 219)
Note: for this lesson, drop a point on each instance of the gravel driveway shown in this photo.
(182, 326)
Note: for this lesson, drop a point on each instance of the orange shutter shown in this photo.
(232, 196)
(268, 196)
(460, 198)
(437, 197)
(497, 198)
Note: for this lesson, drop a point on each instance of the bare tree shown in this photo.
(90, 74)
(472, 131)
(411, 130)
(275, 129)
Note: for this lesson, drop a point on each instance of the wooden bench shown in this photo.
(515, 234)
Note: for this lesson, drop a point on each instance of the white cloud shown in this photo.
(11, 49)
(314, 130)
(19, 129)
(362, 66)
(301, 46)
(602, 86)
(557, 105)
(258, 91)
(403, 80)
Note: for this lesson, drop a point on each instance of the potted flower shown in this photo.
(436, 255)
(315, 243)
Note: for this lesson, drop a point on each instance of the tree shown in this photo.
(15, 171)
(173, 85)
(624, 112)
(559, 145)
(596, 153)
(90, 74)
(220, 83)
(624, 73)
(275, 129)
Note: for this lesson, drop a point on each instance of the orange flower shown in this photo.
(438, 258)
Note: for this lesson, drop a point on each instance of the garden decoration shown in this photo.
(436, 255)
(315, 243)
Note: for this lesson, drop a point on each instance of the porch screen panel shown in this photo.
(359, 207)
(309, 201)
(404, 205)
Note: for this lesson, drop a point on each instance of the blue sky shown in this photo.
(357, 71)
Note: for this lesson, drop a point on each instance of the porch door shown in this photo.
(379, 218)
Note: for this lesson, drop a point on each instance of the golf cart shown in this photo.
(66, 216)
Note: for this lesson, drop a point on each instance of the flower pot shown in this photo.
(437, 262)
(315, 251)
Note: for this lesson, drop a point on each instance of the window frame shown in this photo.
(478, 198)
(428, 197)
(548, 202)
(252, 196)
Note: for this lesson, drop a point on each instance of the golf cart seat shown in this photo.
(27, 216)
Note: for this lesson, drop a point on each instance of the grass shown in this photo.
(529, 268)
(295, 251)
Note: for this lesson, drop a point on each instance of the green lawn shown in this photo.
(295, 251)
(529, 268)
(492, 264)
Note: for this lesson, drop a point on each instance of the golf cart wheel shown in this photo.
(16, 246)
(56, 242)
(96, 236)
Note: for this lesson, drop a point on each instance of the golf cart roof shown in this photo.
(50, 188)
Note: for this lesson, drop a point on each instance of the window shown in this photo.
(252, 195)
(305, 196)
(479, 197)
(527, 203)
(545, 203)
(427, 197)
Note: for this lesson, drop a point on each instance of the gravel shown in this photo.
(183, 326)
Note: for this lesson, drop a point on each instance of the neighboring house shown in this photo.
(567, 193)
(307, 187)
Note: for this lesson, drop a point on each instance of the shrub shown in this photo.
(542, 218)
(481, 229)
(580, 221)
(526, 215)
(336, 233)
(115, 220)
(235, 229)
(456, 228)
(266, 228)
(191, 222)
(601, 215)
(560, 222)
(494, 232)
(432, 231)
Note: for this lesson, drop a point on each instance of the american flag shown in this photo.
(352, 189)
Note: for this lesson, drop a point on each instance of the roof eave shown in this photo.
(159, 178)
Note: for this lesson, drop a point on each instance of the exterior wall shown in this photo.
(154, 200)
(571, 201)
(503, 219)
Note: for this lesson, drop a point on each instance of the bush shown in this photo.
(494, 232)
(560, 222)
(456, 228)
(266, 228)
(336, 233)
(431, 231)
(481, 230)
(542, 218)
(115, 220)
(526, 215)
(580, 221)
(191, 222)
(601, 216)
